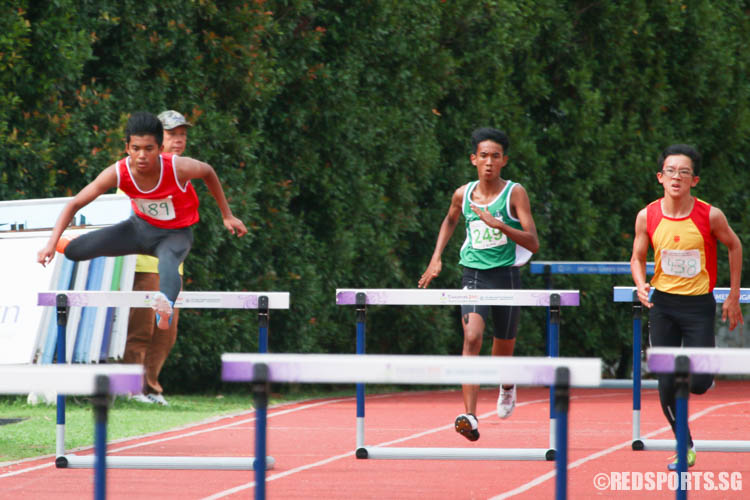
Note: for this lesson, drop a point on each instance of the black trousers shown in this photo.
(681, 321)
(136, 236)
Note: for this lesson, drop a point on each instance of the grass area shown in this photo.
(35, 434)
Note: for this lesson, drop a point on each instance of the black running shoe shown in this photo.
(468, 426)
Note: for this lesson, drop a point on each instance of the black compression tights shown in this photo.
(675, 321)
(136, 236)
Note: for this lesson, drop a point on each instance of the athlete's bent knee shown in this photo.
(73, 251)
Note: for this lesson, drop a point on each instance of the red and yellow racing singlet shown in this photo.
(167, 205)
(684, 250)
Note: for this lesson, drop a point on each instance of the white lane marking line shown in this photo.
(349, 454)
(549, 475)
(188, 434)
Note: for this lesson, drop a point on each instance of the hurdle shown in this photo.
(262, 301)
(630, 294)
(99, 381)
(361, 298)
(560, 373)
(547, 268)
(682, 362)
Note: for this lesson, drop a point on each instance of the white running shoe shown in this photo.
(141, 398)
(157, 398)
(506, 401)
(163, 307)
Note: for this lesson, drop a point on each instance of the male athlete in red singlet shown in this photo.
(164, 202)
(683, 231)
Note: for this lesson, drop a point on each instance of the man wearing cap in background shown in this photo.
(146, 344)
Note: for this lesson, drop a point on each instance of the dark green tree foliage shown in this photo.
(340, 130)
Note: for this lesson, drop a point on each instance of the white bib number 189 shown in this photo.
(157, 209)
(683, 263)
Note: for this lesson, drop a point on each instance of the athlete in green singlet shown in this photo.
(500, 237)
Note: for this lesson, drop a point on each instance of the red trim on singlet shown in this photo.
(184, 199)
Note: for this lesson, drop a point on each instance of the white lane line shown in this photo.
(349, 454)
(549, 475)
(180, 436)
(227, 426)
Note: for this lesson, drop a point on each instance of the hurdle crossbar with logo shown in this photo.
(99, 381)
(361, 298)
(560, 373)
(260, 301)
(628, 294)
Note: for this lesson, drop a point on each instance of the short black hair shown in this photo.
(682, 149)
(144, 123)
(489, 134)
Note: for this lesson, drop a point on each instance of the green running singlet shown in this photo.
(486, 247)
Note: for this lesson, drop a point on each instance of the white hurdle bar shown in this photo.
(98, 381)
(553, 299)
(682, 362)
(455, 297)
(628, 294)
(713, 360)
(185, 300)
(70, 379)
(409, 369)
(261, 301)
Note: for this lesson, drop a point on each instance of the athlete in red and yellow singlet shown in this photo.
(683, 232)
(684, 250)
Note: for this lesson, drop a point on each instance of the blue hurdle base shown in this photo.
(72, 461)
(699, 444)
(378, 452)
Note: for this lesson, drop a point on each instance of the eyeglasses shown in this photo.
(683, 172)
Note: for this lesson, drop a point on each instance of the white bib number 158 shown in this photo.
(683, 263)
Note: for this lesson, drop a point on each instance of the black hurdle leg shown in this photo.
(682, 391)
(61, 301)
(101, 402)
(260, 388)
(562, 403)
(263, 323)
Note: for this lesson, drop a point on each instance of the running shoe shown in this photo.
(506, 401)
(158, 399)
(141, 398)
(163, 307)
(690, 460)
(468, 426)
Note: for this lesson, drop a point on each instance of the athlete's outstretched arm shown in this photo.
(446, 231)
(190, 168)
(724, 233)
(105, 181)
(639, 257)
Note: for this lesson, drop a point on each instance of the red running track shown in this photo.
(313, 443)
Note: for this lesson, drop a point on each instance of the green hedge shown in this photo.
(340, 130)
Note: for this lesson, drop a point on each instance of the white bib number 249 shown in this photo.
(483, 236)
(683, 263)
(156, 209)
